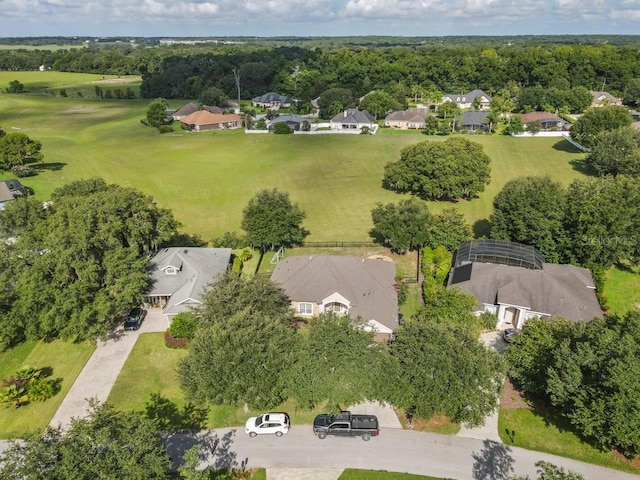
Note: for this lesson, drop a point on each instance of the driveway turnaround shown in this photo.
(101, 371)
(394, 450)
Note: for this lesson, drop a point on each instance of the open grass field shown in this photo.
(622, 290)
(352, 474)
(62, 360)
(207, 178)
(552, 434)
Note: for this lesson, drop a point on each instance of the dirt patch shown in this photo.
(384, 258)
(115, 80)
(633, 463)
(80, 110)
(512, 397)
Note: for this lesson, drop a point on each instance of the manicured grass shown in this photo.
(62, 360)
(207, 178)
(413, 302)
(50, 82)
(550, 433)
(151, 369)
(622, 290)
(352, 474)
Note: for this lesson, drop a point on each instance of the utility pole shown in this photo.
(236, 77)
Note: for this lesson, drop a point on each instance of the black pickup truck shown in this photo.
(346, 424)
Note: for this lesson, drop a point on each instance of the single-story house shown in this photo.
(345, 285)
(271, 100)
(187, 110)
(603, 99)
(352, 119)
(213, 109)
(404, 119)
(294, 121)
(513, 282)
(203, 120)
(474, 120)
(181, 274)
(466, 100)
(10, 190)
(549, 121)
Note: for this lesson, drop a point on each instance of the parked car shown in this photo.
(134, 319)
(508, 334)
(277, 423)
(346, 424)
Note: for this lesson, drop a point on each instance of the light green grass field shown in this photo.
(63, 360)
(353, 474)
(553, 434)
(207, 178)
(622, 290)
(50, 82)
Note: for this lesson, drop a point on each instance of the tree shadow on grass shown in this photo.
(52, 166)
(482, 228)
(566, 146)
(579, 165)
(170, 417)
(493, 462)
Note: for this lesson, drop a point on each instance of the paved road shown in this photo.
(101, 370)
(394, 450)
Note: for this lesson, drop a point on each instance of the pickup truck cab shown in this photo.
(346, 424)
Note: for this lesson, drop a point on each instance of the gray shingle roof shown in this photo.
(558, 290)
(466, 97)
(368, 284)
(196, 268)
(188, 109)
(411, 115)
(271, 97)
(474, 117)
(353, 116)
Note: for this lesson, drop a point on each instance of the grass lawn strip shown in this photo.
(622, 290)
(352, 474)
(65, 360)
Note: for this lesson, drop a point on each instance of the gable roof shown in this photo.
(213, 109)
(188, 109)
(558, 290)
(598, 97)
(466, 97)
(203, 117)
(196, 268)
(353, 115)
(271, 97)
(474, 117)
(368, 284)
(411, 115)
(290, 119)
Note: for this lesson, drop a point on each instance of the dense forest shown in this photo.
(299, 68)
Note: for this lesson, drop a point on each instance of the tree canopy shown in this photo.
(401, 227)
(80, 262)
(615, 152)
(588, 371)
(271, 220)
(157, 112)
(379, 103)
(596, 120)
(449, 170)
(17, 149)
(107, 444)
(335, 100)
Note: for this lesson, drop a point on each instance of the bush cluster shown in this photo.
(173, 342)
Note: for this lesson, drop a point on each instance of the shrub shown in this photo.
(173, 342)
(229, 240)
(282, 129)
(488, 321)
(236, 266)
(23, 171)
(184, 325)
(165, 129)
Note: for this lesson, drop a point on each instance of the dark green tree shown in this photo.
(596, 120)
(157, 113)
(449, 229)
(534, 127)
(449, 170)
(119, 445)
(271, 220)
(441, 369)
(213, 96)
(632, 93)
(338, 362)
(379, 103)
(531, 210)
(17, 149)
(15, 87)
(615, 152)
(281, 129)
(548, 471)
(401, 227)
(334, 100)
(244, 359)
(431, 125)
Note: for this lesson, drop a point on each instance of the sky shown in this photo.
(263, 18)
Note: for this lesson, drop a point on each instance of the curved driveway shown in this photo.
(394, 450)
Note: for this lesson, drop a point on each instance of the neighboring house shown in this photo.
(352, 119)
(181, 274)
(465, 101)
(10, 190)
(411, 118)
(513, 282)
(603, 99)
(294, 121)
(474, 120)
(213, 109)
(345, 285)
(271, 100)
(185, 111)
(549, 121)
(203, 120)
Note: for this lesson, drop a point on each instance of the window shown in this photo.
(336, 307)
(305, 309)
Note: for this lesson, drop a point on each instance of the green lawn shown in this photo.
(552, 434)
(76, 84)
(622, 290)
(352, 474)
(62, 360)
(207, 178)
(151, 369)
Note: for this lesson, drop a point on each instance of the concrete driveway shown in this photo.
(101, 371)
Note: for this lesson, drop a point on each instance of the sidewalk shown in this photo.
(101, 370)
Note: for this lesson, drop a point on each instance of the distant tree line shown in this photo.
(185, 71)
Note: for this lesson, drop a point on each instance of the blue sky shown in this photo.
(316, 17)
